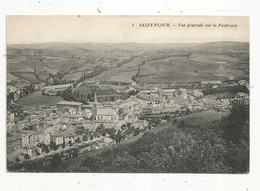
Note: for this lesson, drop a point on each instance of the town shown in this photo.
(70, 127)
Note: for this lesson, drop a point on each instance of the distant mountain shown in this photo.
(95, 46)
(135, 47)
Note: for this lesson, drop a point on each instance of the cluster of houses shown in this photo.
(61, 124)
(170, 100)
(68, 122)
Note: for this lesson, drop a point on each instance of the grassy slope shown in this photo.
(37, 99)
(203, 60)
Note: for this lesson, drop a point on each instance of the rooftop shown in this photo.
(58, 86)
(106, 111)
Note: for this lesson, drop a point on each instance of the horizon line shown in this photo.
(127, 42)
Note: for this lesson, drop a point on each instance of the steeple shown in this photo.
(94, 109)
(95, 97)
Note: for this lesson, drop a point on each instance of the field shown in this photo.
(191, 120)
(37, 99)
(17, 65)
(202, 117)
(158, 63)
(29, 76)
(196, 68)
(123, 73)
(73, 76)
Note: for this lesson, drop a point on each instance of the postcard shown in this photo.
(128, 94)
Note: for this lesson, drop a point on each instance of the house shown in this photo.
(73, 118)
(79, 137)
(211, 82)
(72, 111)
(106, 114)
(231, 78)
(28, 138)
(36, 150)
(13, 144)
(87, 113)
(242, 82)
(34, 118)
(24, 141)
(11, 89)
(28, 150)
(69, 137)
(44, 137)
(169, 92)
(183, 93)
(133, 83)
(57, 139)
(197, 93)
(10, 116)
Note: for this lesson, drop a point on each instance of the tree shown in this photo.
(167, 117)
(27, 156)
(47, 150)
(77, 140)
(17, 159)
(188, 111)
(128, 125)
(237, 126)
(52, 145)
(123, 126)
(136, 132)
(118, 137)
(56, 161)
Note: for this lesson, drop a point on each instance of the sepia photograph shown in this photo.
(127, 94)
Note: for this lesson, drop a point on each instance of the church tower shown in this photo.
(94, 110)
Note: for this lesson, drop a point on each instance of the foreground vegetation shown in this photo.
(221, 146)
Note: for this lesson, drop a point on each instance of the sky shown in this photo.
(119, 29)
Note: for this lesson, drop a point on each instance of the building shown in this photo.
(44, 138)
(24, 141)
(106, 114)
(57, 139)
(73, 118)
(11, 89)
(183, 93)
(69, 137)
(169, 92)
(53, 90)
(13, 144)
(68, 104)
(242, 82)
(231, 78)
(211, 82)
(197, 93)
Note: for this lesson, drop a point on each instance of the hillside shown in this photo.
(125, 62)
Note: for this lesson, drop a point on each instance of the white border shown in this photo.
(73, 181)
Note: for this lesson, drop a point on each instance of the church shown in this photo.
(103, 114)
